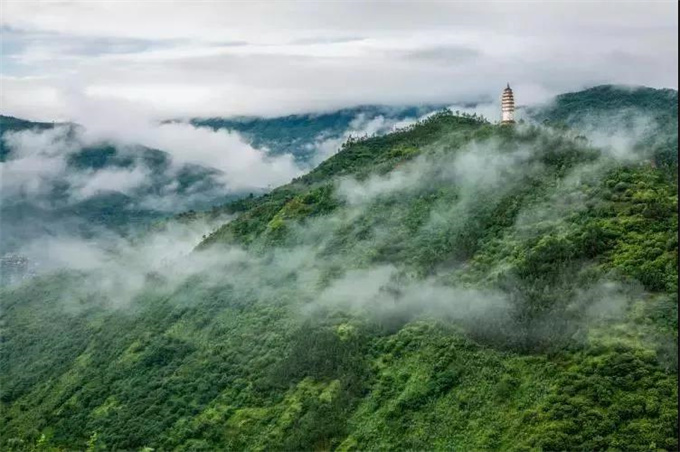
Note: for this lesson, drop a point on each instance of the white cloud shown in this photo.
(35, 160)
(38, 162)
(124, 122)
(361, 125)
(29, 176)
(398, 180)
(244, 167)
(484, 165)
(209, 59)
(88, 184)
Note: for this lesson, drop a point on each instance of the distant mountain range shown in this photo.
(646, 116)
(66, 199)
(309, 138)
(26, 216)
(301, 135)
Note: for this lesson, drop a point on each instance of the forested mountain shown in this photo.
(166, 189)
(53, 184)
(303, 135)
(645, 115)
(609, 101)
(455, 285)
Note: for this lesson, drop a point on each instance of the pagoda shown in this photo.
(507, 106)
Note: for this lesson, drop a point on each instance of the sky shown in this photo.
(71, 60)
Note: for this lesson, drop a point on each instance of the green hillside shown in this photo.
(458, 285)
(26, 218)
(299, 135)
(649, 115)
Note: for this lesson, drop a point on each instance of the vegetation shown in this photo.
(12, 124)
(29, 215)
(300, 134)
(646, 113)
(455, 285)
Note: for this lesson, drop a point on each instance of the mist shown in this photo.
(308, 270)
(361, 126)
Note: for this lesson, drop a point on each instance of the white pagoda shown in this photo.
(507, 106)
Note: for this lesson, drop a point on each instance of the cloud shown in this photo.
(359, 192)
(125, 122)
(36, 159)
(379, 292)
(243, 167)
(217, 59)
(444, 54)
(322, 278)
(361, 126)
(117, 268)
(123, 181)
(477, 166)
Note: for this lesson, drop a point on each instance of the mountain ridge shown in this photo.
(455, 285)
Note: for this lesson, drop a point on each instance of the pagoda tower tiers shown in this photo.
(507, 106)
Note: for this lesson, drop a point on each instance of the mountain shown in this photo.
(609, 100)
(303, 135)
(454, 285)
(53, 184)
(167, 190)
(12, 124)
(646, 115)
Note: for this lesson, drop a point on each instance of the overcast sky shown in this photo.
(64, 60)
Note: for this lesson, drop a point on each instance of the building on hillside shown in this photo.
(507, 106)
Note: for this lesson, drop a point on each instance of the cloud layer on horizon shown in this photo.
(219, 59)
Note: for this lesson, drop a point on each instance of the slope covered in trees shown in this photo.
(167, 188)
(645, 114)
(301, 135)
(455, 285)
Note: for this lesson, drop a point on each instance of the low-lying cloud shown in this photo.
(39, 160)
(243, 166)
(361, 126)
(479, 165)
(308, 272)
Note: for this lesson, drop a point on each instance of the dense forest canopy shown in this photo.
(456, 284)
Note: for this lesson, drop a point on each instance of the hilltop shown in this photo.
(456, 284)
(305, 135)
